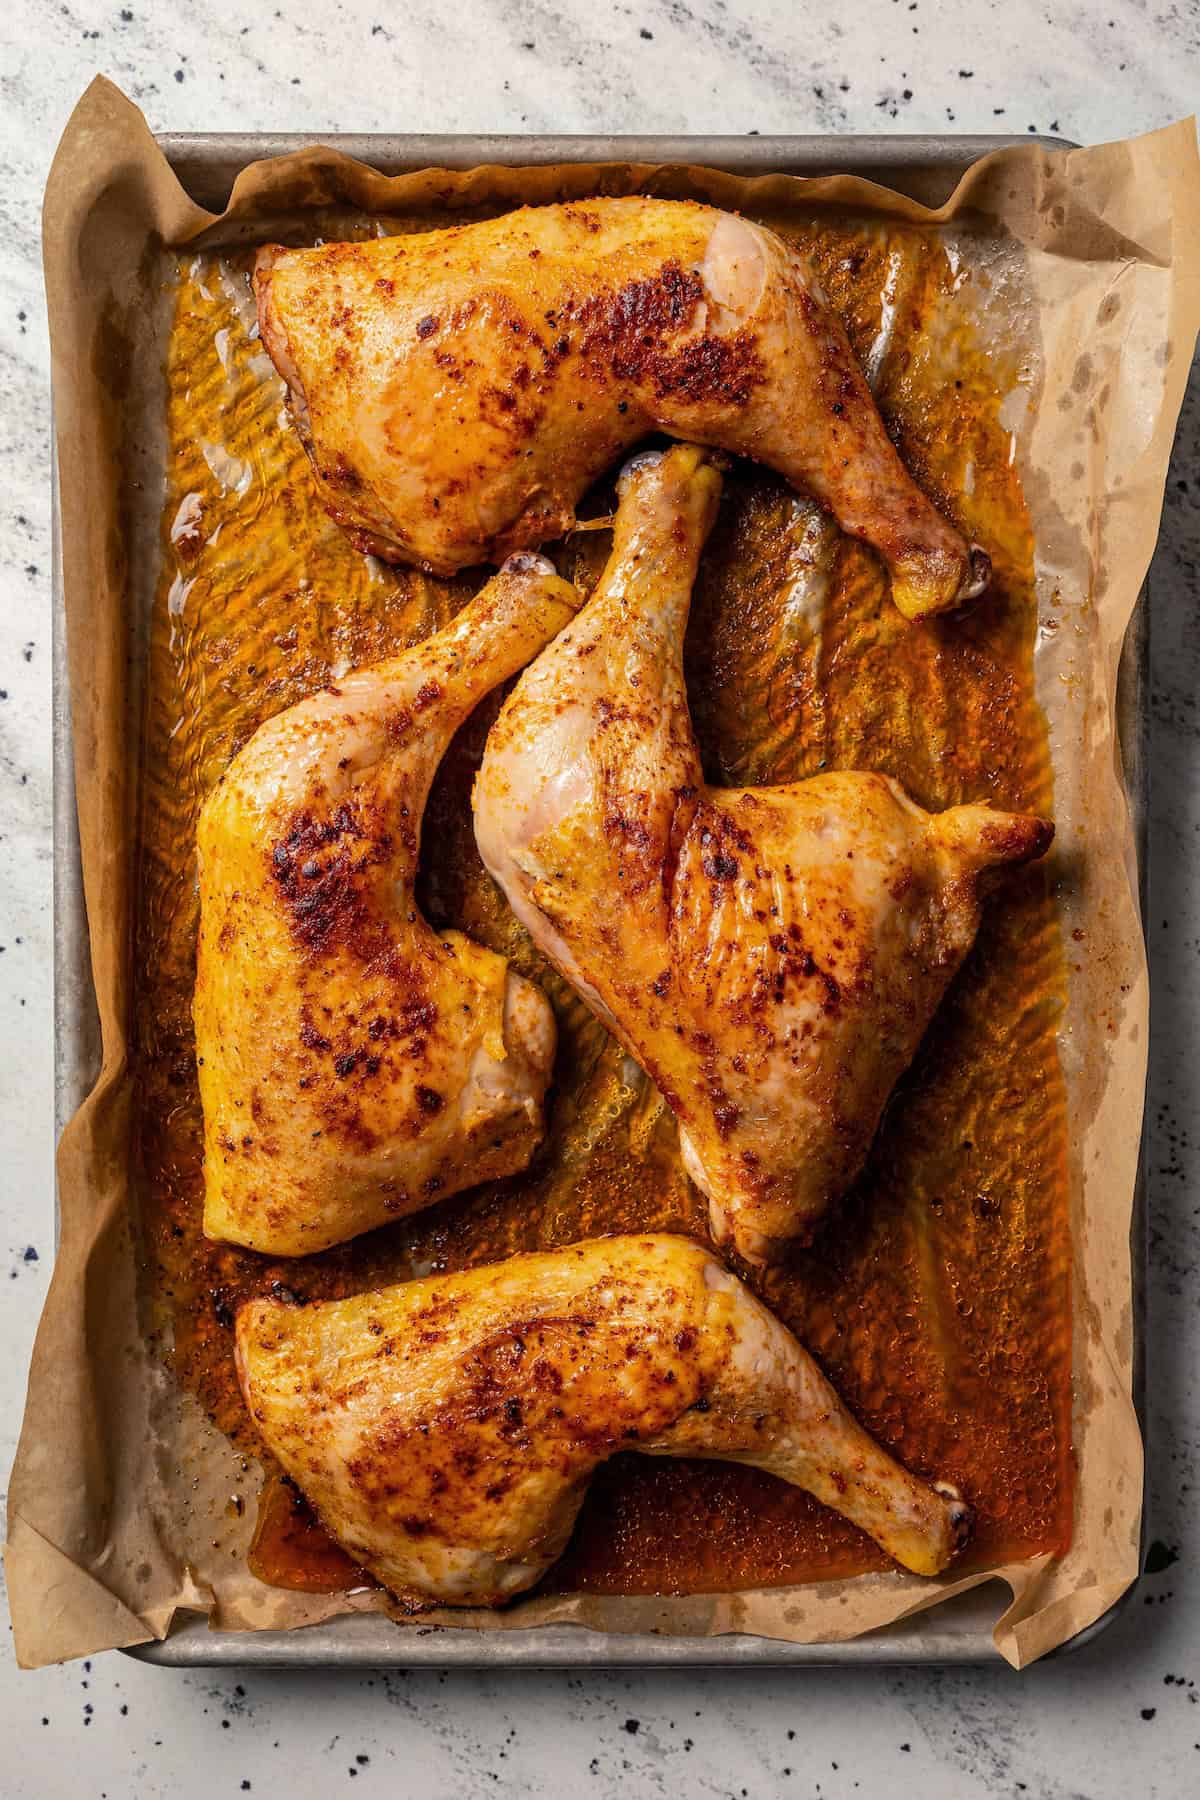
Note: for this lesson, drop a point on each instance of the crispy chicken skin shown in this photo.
(446, 1430)
(354, 1064)
(771, 956)
(459, 390)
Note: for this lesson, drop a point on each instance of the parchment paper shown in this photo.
(119, 1479)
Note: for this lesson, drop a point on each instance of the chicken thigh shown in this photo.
(459, 390)
(354, 1064)
(771, 956)
(446, 1430)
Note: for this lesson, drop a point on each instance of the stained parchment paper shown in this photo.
(119, 1478)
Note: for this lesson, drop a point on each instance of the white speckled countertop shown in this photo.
(1121, 1717)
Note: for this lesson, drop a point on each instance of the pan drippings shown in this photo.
(936, 1297)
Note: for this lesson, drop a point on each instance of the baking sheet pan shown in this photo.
(926, 168)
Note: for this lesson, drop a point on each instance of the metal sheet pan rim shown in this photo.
(958, 1631)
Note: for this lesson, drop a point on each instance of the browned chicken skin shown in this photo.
(771, 956)
(354, 1064)
(446, 1430)
(459, 390)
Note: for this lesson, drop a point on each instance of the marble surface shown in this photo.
(1123, 1716)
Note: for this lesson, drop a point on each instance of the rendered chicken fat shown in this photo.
(446, 1430)
(772, 693)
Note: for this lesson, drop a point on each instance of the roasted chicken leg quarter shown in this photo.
(771, 956)
(446, 1430)
(459, 390)
(354, 1064)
